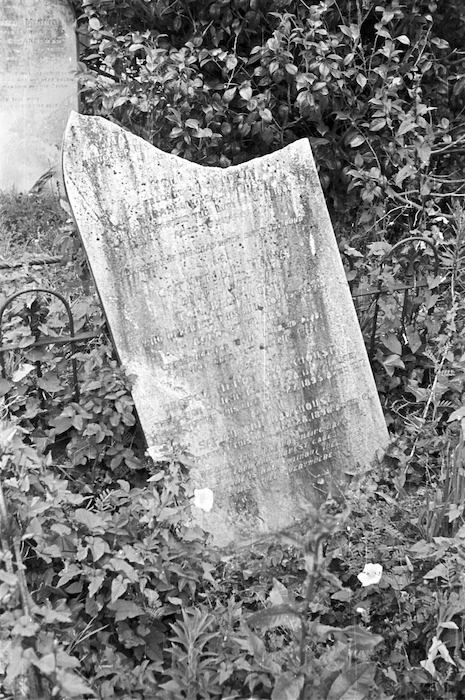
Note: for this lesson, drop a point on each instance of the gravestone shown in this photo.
(227, 301)
(38, 87)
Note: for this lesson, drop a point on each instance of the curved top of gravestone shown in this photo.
(227, 300)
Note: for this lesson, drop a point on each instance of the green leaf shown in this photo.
(405, 127)
(343, 595)
(276, 616)
(357, 141)
(377, 124)
(61, 425)
(5, 386)
(228, 94)
(94, 23)
(393, 344)
(46, 663)
(458, 414)
(358, 637)
(414, 340)
(291, 69)
(279, 594)
(231, 62)
(245, 92)
(49, 382)
(288, 686)
(439, 571)
(353, 683)
(72, 685)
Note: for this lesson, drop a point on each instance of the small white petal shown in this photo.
(203, 498)
(155, 453)
(371, 574)
(22, 371)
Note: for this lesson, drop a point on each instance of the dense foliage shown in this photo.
(105, 589)
(378, 88)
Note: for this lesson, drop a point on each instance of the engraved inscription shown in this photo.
(38, 88)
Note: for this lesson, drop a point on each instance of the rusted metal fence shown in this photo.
(412, 282)
(40, 339)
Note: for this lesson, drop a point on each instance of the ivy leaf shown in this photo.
(72, 685)
(49, 382)
(125, 609)
(61, 425)
(96, 580)
(414, 340)
(121, 565)
(118, 588)
(98, 547)
(439, 571)
(93, 521)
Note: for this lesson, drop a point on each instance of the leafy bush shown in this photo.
(378, 90)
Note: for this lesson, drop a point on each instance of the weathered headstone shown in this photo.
(227, 300)
(38, 87)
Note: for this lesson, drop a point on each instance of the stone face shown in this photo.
(227, 300)
(38, 88)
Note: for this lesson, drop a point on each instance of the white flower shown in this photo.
(371, 574)
(203, 498)
(22, 372)
(155, 453)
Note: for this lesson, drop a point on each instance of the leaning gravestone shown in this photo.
(227, 301)
(38, 88)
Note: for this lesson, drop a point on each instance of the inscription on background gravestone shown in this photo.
(227, 299)
(38, 88)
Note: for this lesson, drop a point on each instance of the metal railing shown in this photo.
(409, 263)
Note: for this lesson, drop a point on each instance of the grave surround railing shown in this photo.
(409, 264)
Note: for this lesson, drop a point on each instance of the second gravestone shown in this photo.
(38, 87)
(227, 300)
